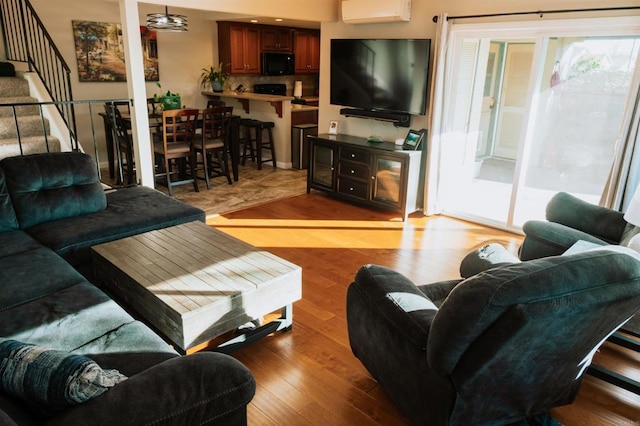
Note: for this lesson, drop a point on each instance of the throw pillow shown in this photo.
(50, 380)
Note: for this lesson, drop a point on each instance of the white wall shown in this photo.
(181, 56)
(422, 26)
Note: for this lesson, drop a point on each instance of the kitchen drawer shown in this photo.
(354, 170)
(353, 188)
(357, 155)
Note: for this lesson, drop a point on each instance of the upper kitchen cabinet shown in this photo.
(277, 39)
(239, 45)
(307, 51)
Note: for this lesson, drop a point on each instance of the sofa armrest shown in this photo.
(601, 222)
(202, 388)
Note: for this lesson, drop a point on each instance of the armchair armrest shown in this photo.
(202, 388)
(379, 292)
(486, 257)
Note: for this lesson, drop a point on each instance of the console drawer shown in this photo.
(353, 188)
(354, 170)
(357, 155)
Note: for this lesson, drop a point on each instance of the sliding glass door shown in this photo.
(534, 109)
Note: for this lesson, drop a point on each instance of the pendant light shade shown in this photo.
(167, 22)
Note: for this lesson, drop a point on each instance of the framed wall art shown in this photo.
(100, 52)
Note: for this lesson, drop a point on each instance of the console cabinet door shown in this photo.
(388, 180)
(322, 165)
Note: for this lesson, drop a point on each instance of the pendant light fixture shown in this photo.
(167, 22)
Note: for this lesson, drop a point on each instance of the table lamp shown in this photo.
(632, 216)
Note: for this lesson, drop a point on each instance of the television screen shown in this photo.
(380, 74)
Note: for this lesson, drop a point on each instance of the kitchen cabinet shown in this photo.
(380, 175)
(239, 46)
(277, 39)
(307, 51)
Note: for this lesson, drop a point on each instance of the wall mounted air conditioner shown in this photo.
(374, 11)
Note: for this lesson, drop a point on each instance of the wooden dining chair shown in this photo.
(213, 143)
(123, 142)
(176, 143)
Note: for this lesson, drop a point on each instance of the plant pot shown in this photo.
(171, 102)
(216, 86)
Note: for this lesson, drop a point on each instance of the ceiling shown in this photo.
(222, 16)
(294, 13)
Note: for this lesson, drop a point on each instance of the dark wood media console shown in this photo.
(377, 174)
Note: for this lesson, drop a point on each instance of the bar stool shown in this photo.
(260, 144)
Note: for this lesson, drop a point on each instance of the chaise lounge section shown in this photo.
(52, 210)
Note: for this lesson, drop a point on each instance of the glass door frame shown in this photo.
(537, 32)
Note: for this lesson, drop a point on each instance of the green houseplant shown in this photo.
(168, 100)
(216, 77)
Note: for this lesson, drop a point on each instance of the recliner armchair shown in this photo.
(570, 219)
(504, 344)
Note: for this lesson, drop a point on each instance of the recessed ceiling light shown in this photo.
(255, 21)
(278, 19)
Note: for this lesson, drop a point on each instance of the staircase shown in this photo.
(32, 133)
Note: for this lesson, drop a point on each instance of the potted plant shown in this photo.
(215, 76)
(168, 100)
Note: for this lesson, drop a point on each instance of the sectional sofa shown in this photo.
(53, 208)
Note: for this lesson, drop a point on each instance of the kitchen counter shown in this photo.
(245, 97)
(301, 108)
(249, 96)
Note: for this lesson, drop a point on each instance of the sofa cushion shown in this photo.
(47, 187)
(64, 320)
(31, 275)
(14, 242)
(50, 380)
(129, 211)
(8, 219)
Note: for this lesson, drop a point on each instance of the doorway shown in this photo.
(531, 115)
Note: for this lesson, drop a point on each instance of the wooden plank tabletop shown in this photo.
(186, 278)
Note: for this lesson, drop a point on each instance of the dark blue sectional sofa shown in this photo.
(53, 208)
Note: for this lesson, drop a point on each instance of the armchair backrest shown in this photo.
(525, 333)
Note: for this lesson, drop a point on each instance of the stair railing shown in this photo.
(27, 40)
(94, 109)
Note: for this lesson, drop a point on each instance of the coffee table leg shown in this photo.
(286, 320)
(284, 323)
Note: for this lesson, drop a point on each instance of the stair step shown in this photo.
(29, 126)
(30, 145)
(20, 110)
(14, 86)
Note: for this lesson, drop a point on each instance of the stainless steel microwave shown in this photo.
(278, 63)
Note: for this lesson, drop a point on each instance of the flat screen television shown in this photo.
(380, 74)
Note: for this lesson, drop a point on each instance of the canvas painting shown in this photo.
(100, 52)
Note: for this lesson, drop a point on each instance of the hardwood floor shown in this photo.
(309, 375)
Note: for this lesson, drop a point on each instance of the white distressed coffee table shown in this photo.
(194, 283)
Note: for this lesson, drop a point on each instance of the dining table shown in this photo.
(154, 120)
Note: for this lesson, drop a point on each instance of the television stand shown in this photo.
(375, 174)
(399, 119)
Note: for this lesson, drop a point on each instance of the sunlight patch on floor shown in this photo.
(416, 233)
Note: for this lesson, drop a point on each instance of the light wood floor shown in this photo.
(309, 375)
